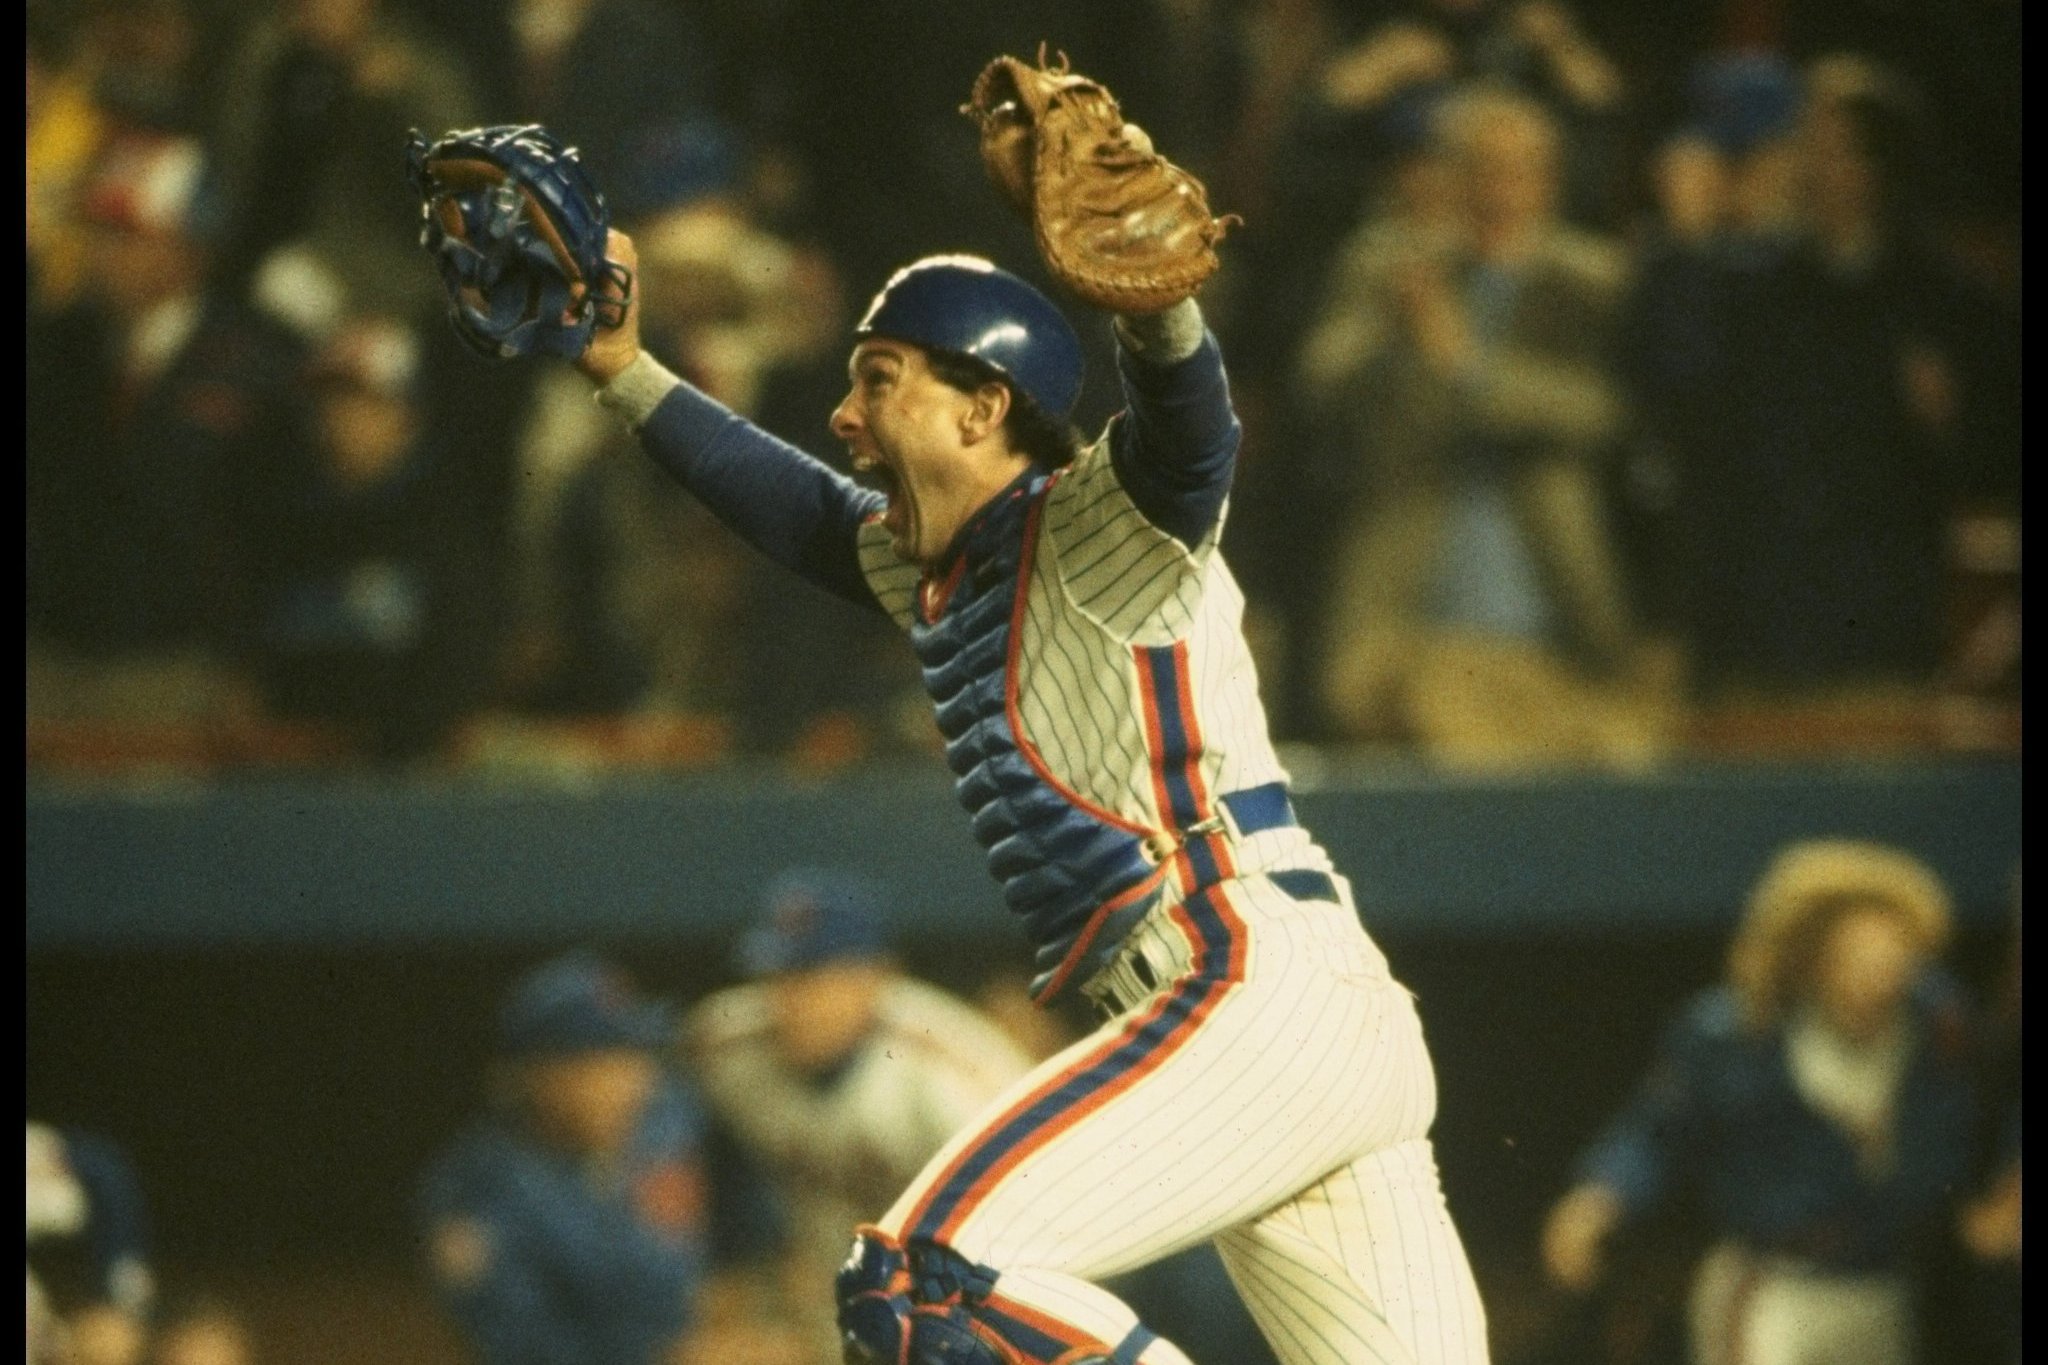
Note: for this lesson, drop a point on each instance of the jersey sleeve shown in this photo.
(1648, 1150)
(790, 505)
(1133, 523)
(893, 581)
(1175, 444)
(538, 1264)
(484, 1275)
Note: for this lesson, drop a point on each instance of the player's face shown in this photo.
(823, 1013)
(590, 1101)
(1866, 966)
(908, 432)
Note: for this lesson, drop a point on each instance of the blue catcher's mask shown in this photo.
(967, 305)
(515, 226)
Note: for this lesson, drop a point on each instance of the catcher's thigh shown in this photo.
(1278, 1051)
(1363, 1266)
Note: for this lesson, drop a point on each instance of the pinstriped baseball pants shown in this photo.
(1264, 1084)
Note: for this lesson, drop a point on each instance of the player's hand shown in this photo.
(612, 349)
(1575, 1237)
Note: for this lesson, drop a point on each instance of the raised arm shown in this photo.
(1175, 445)
(791, 506)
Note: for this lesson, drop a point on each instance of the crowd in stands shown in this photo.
(1618, 382)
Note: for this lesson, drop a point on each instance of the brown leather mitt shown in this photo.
(1118, 224)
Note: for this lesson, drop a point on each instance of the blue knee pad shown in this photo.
(910, 1306)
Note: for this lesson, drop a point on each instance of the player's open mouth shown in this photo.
(882, 477)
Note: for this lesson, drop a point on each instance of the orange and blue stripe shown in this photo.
(1174, 737)
(1095, 1079)
(1042, 1339)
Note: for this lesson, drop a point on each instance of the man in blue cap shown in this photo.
(571, 1225)
(836, 1073)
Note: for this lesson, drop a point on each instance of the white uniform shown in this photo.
(1263, 1081)
(838, 1152)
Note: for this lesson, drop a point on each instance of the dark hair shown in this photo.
(1047, 440)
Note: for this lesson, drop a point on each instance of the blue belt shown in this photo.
(1254, 810)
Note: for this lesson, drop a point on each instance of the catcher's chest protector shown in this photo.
(1058, 863)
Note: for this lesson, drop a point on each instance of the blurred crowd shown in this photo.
(1835, 1123)
(1619, 382)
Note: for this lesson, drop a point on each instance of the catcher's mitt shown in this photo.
(518, 232)
(1118, 224)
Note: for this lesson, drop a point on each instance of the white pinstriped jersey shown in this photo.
(930, 1062)
(1106, 583)
(839, 1152)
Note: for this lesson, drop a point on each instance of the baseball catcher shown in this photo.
(1259, 1077)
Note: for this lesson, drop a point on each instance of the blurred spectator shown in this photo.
(1038, 1030)
(572, 1224)
(145, 63)
(626, 82)
(65, 126)
(1536, 47)
(147, 401)
(90, 1287)
(1817, 1108)
(632, 596)
(1818, 391)
(627, 592)
(200, 1331)
(838, 1074)
(1477, 609)
(790, 367)
(1963, 55)
(376, 580)
(861, 103)
(1357, 85)
(634, 600)
(317, 100)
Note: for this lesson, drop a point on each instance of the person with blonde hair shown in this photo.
(1815, 1107)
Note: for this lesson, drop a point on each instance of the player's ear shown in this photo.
(989, 405)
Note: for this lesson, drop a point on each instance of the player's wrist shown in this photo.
(634, 390)
(1165, 337)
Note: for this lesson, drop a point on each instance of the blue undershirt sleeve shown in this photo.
(794, 508)
(1647, 1151)
(1174, 446)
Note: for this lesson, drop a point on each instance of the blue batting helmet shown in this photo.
(965, 304)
